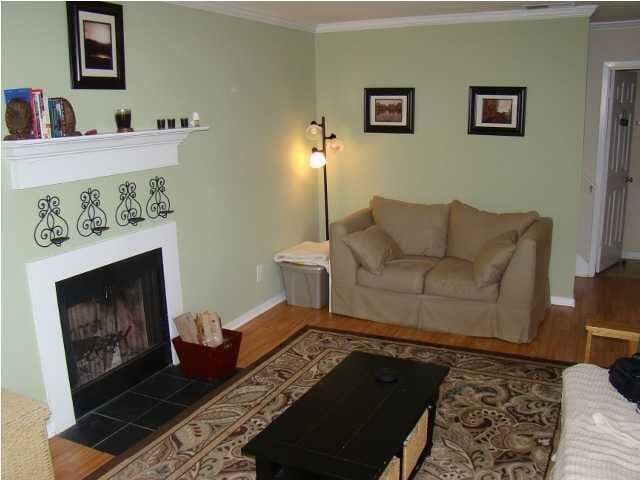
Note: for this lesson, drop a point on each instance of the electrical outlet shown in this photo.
(259, 272)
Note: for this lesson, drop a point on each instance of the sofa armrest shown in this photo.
(526, 280)
(343, 264)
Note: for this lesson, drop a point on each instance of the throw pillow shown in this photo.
(372, 247)
(470, 228)
(417, 229)
(493, 258)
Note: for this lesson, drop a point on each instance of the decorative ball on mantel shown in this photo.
(68, 126)
(19, 120)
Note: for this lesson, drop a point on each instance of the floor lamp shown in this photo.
(318, 159)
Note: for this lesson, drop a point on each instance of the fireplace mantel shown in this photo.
(34, 163)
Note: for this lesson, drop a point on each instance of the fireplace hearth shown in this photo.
(114, 327)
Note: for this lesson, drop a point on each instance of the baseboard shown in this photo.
(631, 255)
(255, 311)
(563, 301)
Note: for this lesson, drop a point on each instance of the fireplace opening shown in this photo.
(115, 328)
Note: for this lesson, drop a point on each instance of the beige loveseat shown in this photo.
(431, 285)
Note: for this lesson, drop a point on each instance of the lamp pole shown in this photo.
(326, 203)
(324, 174)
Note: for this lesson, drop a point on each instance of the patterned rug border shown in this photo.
(105, 468)
(488, 353)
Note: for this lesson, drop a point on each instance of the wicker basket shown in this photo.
(414, 445)
(392, 472)
(25, 448)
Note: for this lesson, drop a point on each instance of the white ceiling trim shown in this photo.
(233, 10)
(620, 25)
(456, 18)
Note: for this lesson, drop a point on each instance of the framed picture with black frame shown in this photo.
(389, 110)
(497, 111)
(96, 45)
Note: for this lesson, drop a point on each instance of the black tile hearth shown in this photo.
(146, 407)
(159, 415)
(160, 386)
(192, 392)
(175, 371)
(123, 439)
(91, 429)
(128, 406)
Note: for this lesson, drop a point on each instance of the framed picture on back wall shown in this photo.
(96, 45)
(497, 111)
(389, 110)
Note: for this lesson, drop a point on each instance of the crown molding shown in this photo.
(620, 25)
(456, 18)
(234, 10)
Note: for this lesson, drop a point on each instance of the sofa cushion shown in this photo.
(372, 247)
(453, 277)
(404, 275)
(470, 228)
(418, 229)
(493, 258)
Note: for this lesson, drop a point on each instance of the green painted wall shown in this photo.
(441, 162)
(243, 189)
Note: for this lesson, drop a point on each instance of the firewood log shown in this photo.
(187, 328)
(209, 329)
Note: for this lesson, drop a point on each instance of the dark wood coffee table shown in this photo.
(354, 423)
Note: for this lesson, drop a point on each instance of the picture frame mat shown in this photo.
(372, 110)
(479, 98)
(83, 16)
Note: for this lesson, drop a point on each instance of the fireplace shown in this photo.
(114, 328)
(47, 274)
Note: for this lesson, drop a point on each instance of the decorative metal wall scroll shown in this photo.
(158, 204)
(52, 229)
(92, 220)
(129, 211)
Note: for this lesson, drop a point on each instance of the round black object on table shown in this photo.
(387, 375)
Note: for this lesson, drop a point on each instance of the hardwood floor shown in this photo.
(627, 269)
(74, 461)
(562, 337)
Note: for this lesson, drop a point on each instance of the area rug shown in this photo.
(496, 416)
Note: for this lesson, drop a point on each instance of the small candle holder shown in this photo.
(162, 124)
(171, 122)
(123, 120)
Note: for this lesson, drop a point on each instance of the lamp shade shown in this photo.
(313, 131)
(336, 144)
(317, 159)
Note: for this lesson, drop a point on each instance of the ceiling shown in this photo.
(310, 14)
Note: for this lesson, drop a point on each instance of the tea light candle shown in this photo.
(195, 119)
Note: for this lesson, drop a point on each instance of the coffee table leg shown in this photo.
(265, 470)
(432, 421)
(430, 428)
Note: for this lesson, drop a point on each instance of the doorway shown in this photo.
(616, 220)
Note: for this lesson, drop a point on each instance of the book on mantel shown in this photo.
(40, 112)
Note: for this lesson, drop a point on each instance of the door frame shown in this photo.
(606, 100)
